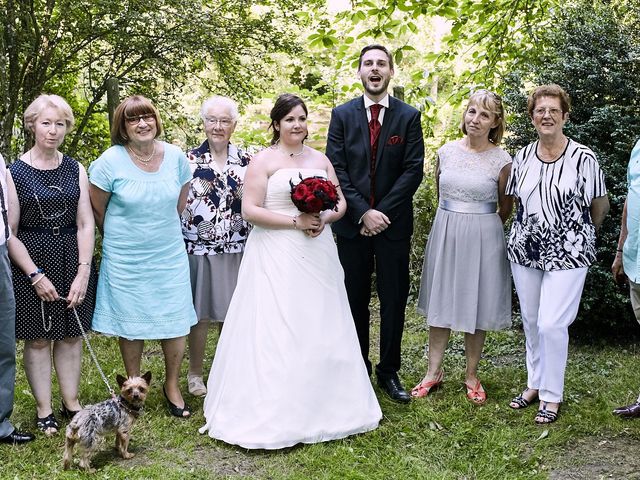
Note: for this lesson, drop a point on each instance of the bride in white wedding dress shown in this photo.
(288, 367)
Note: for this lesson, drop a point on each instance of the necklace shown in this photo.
(293, 154)
(55, 188)
(31, 160)
(139, 158)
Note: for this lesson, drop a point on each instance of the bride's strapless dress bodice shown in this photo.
(278, 197)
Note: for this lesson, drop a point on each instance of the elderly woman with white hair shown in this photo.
(51, 251)
(212, 225)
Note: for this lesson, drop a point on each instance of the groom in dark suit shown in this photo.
(375, 144)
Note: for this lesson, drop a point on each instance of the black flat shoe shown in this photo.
(17, 438)
(65, 412)
(46, 424)
(174, 409)
(392, 387)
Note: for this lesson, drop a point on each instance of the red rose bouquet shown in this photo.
(314, 194)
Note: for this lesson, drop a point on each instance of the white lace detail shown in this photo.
(469, 176)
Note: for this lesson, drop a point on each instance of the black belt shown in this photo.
(51, 231)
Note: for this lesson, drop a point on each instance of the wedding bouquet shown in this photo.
(314, 194)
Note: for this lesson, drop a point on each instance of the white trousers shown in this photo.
(549, 303)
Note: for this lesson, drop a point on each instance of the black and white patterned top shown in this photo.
(212, 221)
(552, 229)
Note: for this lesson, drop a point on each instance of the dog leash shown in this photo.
(91, 352)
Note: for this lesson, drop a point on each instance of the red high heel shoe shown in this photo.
(425, 388)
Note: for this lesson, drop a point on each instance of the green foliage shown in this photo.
(592, 52)
(154, 47)
(425, 203)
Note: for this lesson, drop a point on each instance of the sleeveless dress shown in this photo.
(48, 199)
(288, 367)
(144, 289)
(466, 282)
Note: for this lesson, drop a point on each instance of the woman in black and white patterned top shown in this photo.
(561, 202)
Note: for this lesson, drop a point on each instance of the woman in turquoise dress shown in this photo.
(138, 188)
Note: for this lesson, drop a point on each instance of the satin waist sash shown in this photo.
(468, 207)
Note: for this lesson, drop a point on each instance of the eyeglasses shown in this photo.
(135, 120)
(223, 122)
(540, 112)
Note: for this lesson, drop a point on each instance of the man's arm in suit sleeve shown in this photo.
(413, 168)
(357, 205)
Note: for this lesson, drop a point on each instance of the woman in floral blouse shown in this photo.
(561, 202)
(212, 225)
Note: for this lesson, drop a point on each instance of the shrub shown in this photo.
(591, 53)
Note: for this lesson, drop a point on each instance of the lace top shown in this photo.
(470, 176)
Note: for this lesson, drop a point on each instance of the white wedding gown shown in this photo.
(288, 367)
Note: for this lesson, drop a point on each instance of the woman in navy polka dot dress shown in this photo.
(51, 251)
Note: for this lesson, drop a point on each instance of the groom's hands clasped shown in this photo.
(374, 222)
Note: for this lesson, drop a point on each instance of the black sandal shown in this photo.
(47, 423)
(522, 402)
(65, 412)
(174, 409)
(548, 416)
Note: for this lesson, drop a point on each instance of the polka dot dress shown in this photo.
(49, 198)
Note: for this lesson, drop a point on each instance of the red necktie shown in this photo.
(374, 133)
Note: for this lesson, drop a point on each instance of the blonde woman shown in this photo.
(465, 280)
(51, 251)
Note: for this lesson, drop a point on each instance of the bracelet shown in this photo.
(43, 275)
(295, 222)
(33, 274)
(619, 250)
(84, 263)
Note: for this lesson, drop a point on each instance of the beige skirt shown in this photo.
(213, 281)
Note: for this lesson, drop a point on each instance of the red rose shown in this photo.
(299, 192)
(314, 194)
(314, 204)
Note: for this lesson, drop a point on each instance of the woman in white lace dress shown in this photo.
(465, 279)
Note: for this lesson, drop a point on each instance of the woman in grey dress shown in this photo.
(465, 279)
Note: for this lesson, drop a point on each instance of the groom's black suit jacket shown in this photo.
(398, 172)
(399, 165)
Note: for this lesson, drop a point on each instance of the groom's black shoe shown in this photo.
(17, 437)
(393, 388)
(629, 411)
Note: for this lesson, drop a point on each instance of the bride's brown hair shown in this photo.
(284, 104)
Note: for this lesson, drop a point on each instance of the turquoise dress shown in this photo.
(144, 289)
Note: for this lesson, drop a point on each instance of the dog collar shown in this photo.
(132, 409)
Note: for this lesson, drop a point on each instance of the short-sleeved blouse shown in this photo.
(552, 229)
(631, 254)
(212, 221)
(144, 288)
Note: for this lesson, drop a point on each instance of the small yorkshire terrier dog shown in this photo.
(89, 425)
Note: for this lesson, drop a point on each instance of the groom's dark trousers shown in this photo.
(386, 185)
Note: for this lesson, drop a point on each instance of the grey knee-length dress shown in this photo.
(466, 284)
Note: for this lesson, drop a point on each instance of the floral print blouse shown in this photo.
(552, 229)
(212, 220)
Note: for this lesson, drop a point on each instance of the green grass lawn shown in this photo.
(440, 437)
